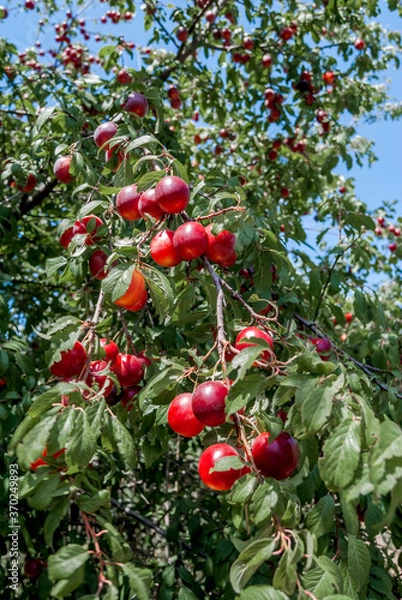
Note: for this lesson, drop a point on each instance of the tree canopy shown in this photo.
(198, 397)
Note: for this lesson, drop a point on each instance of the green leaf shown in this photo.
(120, 549)
(63, 323)
(316, 399)
(161, 293)
(44, 493)
(62, 430)
(337, 597)
(108, 191)
(149, 179)
(64, 587)
(249, 561)
(389, 446)
(186, 594)
(264, 502)
(77, 164)
(243, 361)
(93, 503)
(341, 455)
(321, 518)
(140, 581)
(34, 441)
(54, 516)
(53, 265)
(44, 402)
(331, 569)
(118, 281)
(244, 391)
(124, 443)
(262, 592)
(226, 463)
(66, 561)
(349, 516)
(360, 306)
(359, 562)
(82, 446)
(243, 489)
(44, 115)
(144, 140)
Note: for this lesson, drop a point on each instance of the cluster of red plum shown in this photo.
(188, 414)
(127, 368)
(170, 196)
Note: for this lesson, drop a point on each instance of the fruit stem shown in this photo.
(91, 334)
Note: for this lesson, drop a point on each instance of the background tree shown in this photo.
(156, 274)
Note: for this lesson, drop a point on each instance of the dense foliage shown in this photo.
(251, 108)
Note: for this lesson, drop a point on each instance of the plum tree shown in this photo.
(176, 310)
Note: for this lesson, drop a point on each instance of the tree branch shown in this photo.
(151, 525)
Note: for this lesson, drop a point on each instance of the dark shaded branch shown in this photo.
(151, 525)
(28, 202)
(367, 369)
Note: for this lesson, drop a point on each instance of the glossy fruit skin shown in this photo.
(71, 362)
(173, 93)
(147, 205)
(219, 481)
(323, 347)
(208, 403)
(123, 76)
(3, 383)
(102, 381)
(278, 459)
(329, 77)
(250, 332)
(104, 133)
(111, 350)
(139, 304)
(172, 194)
(267, 61)
(286, 33)
(61, 169)
(30, 184)
(359, 44)
(182, 34)
(181, 417)
(190, 240)
(128, 369)
(162, 249)
(175, 103)
(136, 103)
(134, 292)
(66, 237)
(97, 262)
(229, 261)
(129, 395)
(145, 360)
(220, 246)
(113, 397)
(88, 225)
(127, 203)
(348, 317)
(33, 567)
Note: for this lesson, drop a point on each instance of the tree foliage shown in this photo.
(256, 107)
